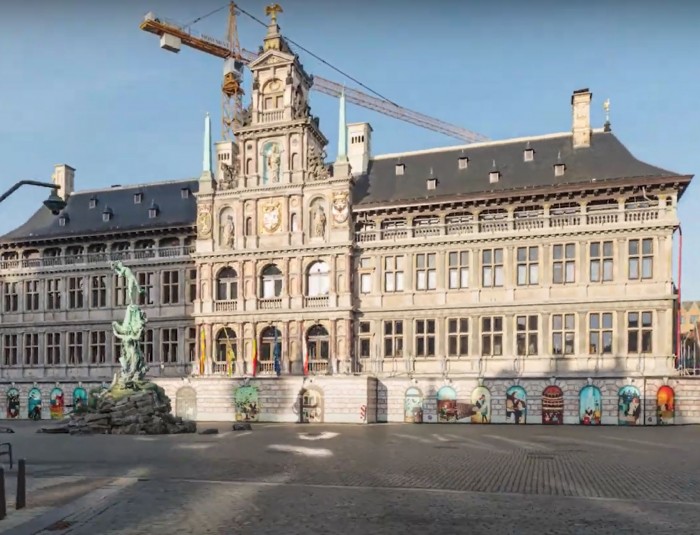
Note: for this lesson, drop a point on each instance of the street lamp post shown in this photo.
(54, 203)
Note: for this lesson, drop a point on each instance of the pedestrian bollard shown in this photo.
(21, 485)
(3, 505)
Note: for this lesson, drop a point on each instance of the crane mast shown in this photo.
(173, 36)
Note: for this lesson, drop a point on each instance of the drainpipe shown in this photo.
(678, 314)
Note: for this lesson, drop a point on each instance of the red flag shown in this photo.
(306, 357)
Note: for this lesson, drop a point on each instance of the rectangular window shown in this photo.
(191, 286)
(365, 340)
(563, 334)
(191, 343)
(117, 349)
(528, 264)
(10, 291)
(53, 294)
(640, 259)
(10, 349)
(169, 345)
(171, 287)
(601, 261)
(119, 291)
(31, 349)
(526, 335)
(145, 279)
(365, 283)
(75, 293)
(31, 295)
(148, 337)
(53, 348)
(75, 347)
(98, 347)
(426, 273)
(492, 336)
(425, 338)
(492, 268)
(600, 333)
(458, 337)
(393, 273)
(393, 339)
(458, 270)
(639, 332)
(564, 263)
(98, 291)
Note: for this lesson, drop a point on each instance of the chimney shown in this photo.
(581, 127)
(359, 147)
(64, 177)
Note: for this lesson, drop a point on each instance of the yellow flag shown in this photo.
(202, 350)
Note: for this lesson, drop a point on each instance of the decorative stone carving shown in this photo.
(272, 217)
(204, 223)
(340, 208)
(228, 176)
(272, 159)
(318, 222)
(227, 233)
(315, 163)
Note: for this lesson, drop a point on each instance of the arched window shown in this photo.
(294, 222)
(318, 343)
(248, 226)
(271, 282)
(317, 279)
(227, 285)
(226, 341)
(268, 338)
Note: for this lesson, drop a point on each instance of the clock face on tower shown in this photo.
(275, 85)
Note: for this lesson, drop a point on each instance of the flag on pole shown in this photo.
(255, 357)
(277, 356)
(202, 350)
(230, 355)
(305, 356)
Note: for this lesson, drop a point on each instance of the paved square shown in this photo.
(283, 479)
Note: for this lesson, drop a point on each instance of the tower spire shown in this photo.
(206, 161)
(342, 130)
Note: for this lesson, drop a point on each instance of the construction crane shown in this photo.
(173, 36)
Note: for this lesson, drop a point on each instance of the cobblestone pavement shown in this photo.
(382, 479)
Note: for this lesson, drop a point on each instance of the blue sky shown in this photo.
(81, 84)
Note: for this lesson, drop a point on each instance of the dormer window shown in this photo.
(400, 168)
(559, 169)
(494, 177)
(138, 197)
(462, 162)
(107, 214)
(153, 211)
(63, 220)
(185, 193)
(431, 183)
(93, 202)
(528, 155)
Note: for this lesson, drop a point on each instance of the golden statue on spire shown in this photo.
(271, 11)
(606, 107)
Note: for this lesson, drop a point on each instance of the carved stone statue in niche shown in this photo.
(227, 233)
(300, 108)
(317, 169)
(228, 176)
(272, 162)
(318, 222)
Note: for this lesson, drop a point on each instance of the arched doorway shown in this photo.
(56, 403)
(629, 405)
(34, 404)
(552, 406)
(413, 405)
(516, 405)
(665, 405)
(481, 405)
(13, 405)
(590, 405)
(311, 406)
(186, 403)
(446, 404)
(271, 349)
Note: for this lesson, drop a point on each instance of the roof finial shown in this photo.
(606, 107)
(271, 11)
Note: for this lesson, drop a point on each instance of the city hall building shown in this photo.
(526, 280)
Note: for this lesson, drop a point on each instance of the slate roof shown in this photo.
(173, 211)
(606, 159)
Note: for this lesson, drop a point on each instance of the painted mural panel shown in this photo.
(516, 405)
(446, 404)
(481, 405)
(665, 405)
(629, 406)
(552, 406)
(56, 403)
(413, 405)
(34, 404)
(312, 406)
(80, 399)
(12, 403)
(246, 402)
(590, 405)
